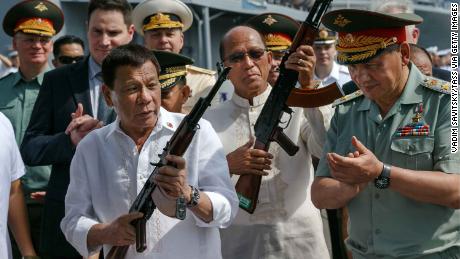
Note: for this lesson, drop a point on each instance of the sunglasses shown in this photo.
(69, 60)
(253, 54)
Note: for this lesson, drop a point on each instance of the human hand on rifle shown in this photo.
(303, 60)
(119, 232)
(246, 160)
(173, 180)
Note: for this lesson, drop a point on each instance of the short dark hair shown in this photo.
(112, 5)
(66, 39)
(133, 55)
(414, 49)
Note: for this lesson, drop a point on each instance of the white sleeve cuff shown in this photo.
(221, 211)
(79, 237)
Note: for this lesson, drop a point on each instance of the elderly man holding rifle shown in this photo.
(112, 164)
(282, 221)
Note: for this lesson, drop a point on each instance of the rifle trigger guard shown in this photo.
(289, 121)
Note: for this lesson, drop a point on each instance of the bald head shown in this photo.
(243, 49)
(237, 35)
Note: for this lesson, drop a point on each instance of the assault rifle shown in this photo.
(177, 145)
(267, 127)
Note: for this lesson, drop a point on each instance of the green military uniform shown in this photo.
(16, 102)
(414, 134)
(17, 98)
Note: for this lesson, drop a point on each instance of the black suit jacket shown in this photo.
(45, 142)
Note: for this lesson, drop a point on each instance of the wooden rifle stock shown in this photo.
(177, 145)
(281, 96)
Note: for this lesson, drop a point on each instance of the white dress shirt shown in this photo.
(339, 74)
(11, 169)
(107, 172)
(285, 223)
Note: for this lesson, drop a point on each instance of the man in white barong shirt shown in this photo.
(111, 165)
(285, 223)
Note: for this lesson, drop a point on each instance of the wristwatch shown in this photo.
(194, 197)
(383, 181)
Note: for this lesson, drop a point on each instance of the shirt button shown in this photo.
(377, 196)
(378, 231)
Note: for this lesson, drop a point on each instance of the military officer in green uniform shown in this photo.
(174, 88)
(31, 24)
(162, 24)
(278, 31)
(388, 152)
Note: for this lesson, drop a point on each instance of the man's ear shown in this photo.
(185, 93)
(131, 31)
(405, 53)
(269, 57)
(107, 95)
(415, 34)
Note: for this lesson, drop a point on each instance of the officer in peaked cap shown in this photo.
(278, 31)
(174, 88)
(31, 24)
(162, 23)
(38, 17)
(388, 155)
(326, 69)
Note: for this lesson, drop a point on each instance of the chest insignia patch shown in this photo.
(417, 127)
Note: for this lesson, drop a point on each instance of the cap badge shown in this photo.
(41, 7)
(270, 20)
(341, 21)
(323, 34)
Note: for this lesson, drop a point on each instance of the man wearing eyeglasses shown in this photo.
(31, 24)
(67, 50)
(285, 223)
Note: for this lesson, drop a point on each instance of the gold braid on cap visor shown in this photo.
(161, 21)
(352, 49)
(36, 26)
(276, 42)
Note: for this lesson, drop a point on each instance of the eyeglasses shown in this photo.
(69, 60)
(254, 54)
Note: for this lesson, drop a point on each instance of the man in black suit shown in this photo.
(68, 107)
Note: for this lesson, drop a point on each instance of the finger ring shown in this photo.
(299, 62)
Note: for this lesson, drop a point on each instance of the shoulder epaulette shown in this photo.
(347, 98)
(6, 76)
(437, 85)
(343, 69)
(201, 70)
